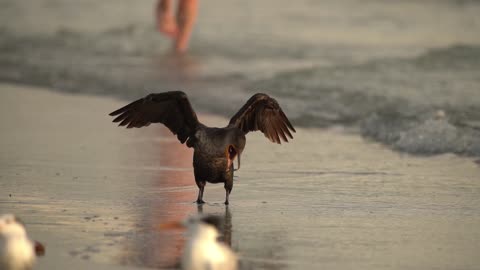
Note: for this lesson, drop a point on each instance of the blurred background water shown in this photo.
(405, 73)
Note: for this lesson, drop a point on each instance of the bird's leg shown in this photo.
(200, 194)
(227, 194)
(228, 186)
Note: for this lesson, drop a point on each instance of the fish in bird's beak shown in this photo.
(173, 225)
(231, 153)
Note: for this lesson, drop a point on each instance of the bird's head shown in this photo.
(234, 148)
(11, 226)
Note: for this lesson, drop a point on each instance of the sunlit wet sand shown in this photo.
(94, 194)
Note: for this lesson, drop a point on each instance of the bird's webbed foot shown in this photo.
(199, 201)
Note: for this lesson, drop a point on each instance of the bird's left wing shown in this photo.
(169, 108)
(263, 113)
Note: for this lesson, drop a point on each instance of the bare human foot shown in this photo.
(166, 22)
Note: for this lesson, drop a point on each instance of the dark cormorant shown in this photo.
(214, 148)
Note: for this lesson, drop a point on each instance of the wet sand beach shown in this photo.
(94, 194)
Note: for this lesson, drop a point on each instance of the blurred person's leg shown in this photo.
(166, 22)
(186, 16)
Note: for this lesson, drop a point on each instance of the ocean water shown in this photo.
(404, 73)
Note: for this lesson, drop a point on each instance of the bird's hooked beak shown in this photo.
(172, 225)
(238, 162)
(39, 249)
(231, 153)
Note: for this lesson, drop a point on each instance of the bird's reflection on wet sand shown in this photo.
(227, 224)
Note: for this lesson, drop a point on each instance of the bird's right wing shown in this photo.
(169, 108)
(261, 112)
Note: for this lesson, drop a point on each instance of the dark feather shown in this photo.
(170, 108)
(263, 113)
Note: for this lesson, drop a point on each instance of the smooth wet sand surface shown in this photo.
(94, 194)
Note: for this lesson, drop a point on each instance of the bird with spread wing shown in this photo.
(215, 149)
